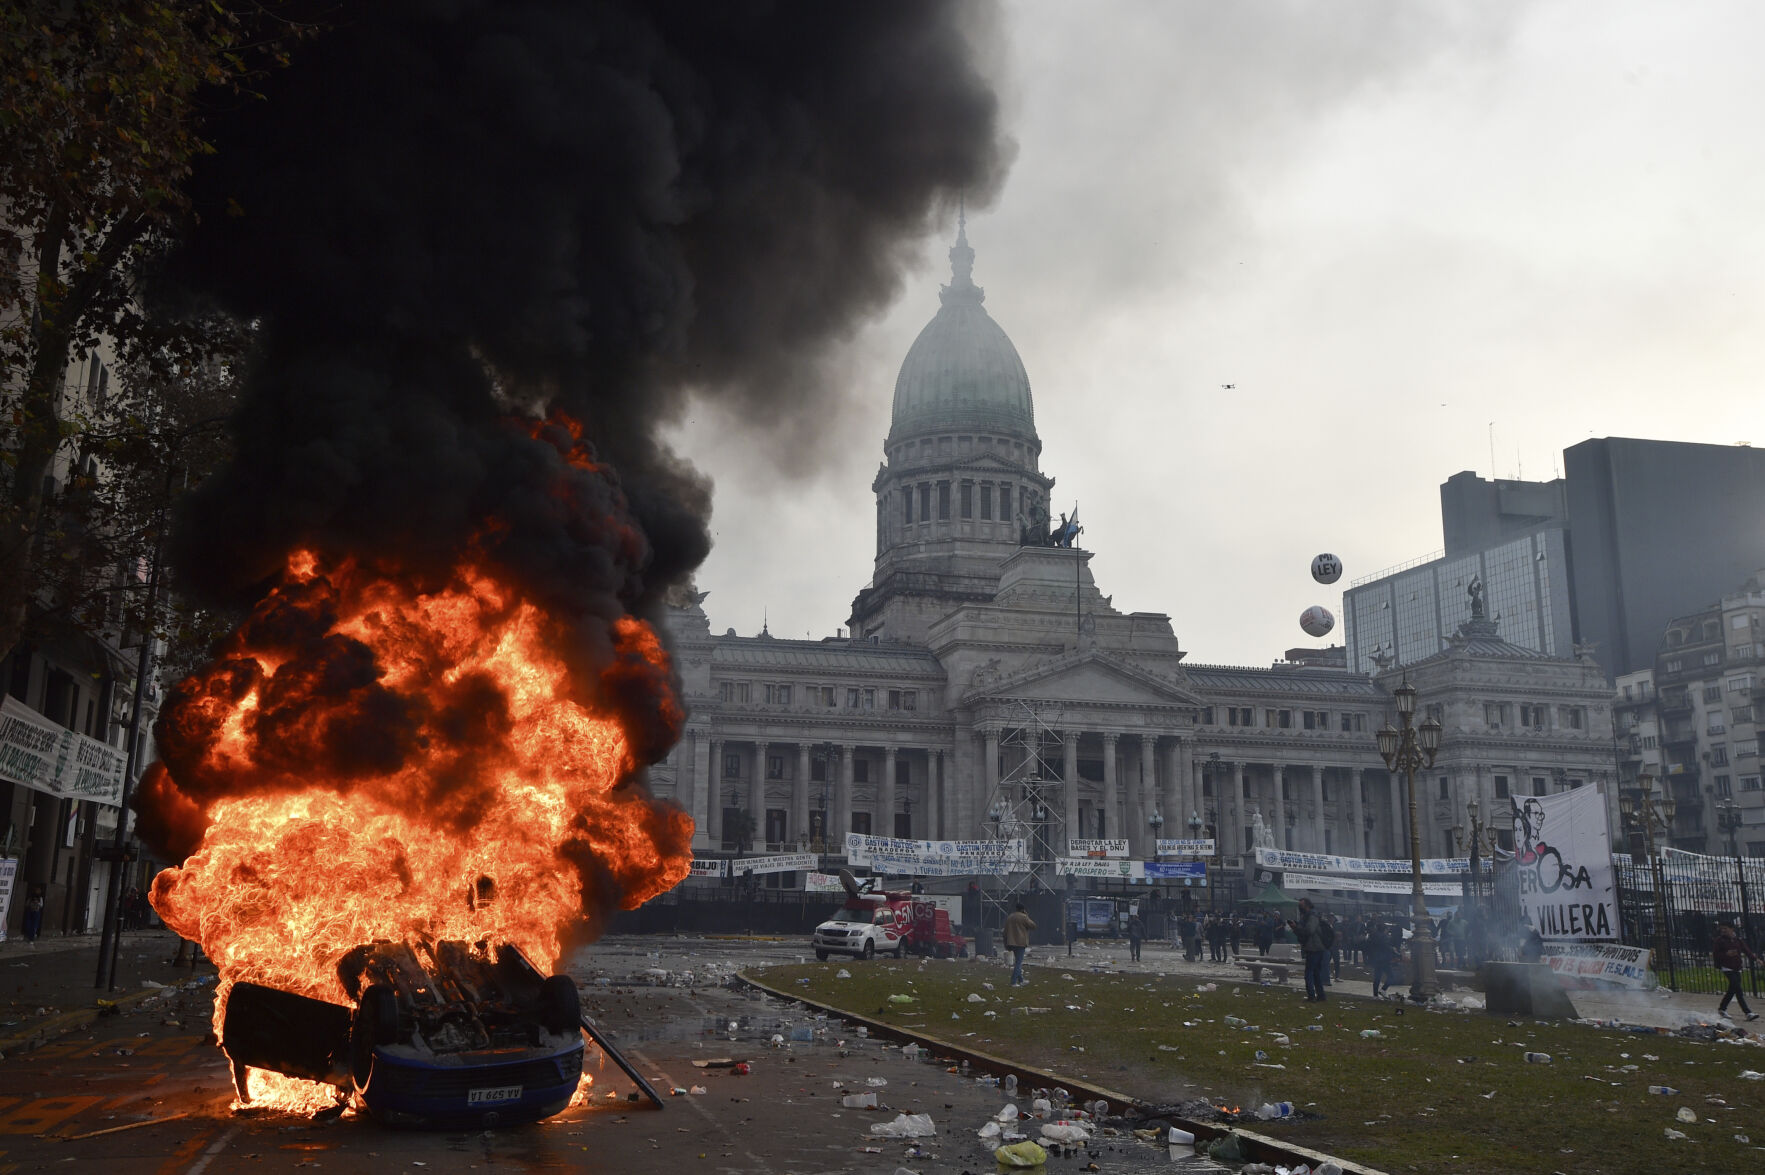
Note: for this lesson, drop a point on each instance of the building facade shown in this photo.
(1692, 723)
(985, 671)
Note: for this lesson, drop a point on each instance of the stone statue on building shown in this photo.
(1475, 590)
(1033, 531)
(1261, 835)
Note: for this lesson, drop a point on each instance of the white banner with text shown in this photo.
(1564, 861)
(48, 757)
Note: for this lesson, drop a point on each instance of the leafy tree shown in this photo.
(99, 126)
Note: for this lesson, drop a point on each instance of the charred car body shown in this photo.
(445, 1035)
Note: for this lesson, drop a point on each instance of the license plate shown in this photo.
(506, 1093)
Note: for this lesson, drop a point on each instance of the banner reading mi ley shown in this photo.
(48, 757)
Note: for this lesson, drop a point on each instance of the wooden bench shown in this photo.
(1281, 957)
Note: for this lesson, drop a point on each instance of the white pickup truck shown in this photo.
(866, 926)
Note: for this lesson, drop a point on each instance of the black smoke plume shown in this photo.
(445, 213)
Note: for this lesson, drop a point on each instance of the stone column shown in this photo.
(1151, 795)
(714, 796)
(1111, 796)
(800, 796)
(1242, 816)
(1357, 836)
(989, 769)
(1175, 791)
(842, 802)
(936, 765)
(1317, 798)
(1278, 821)
(1134, 806)
(693, 797)
(885, 796)
(1069, 773)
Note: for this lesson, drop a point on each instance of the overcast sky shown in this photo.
(1389, 224)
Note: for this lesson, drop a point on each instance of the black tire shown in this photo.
(900, 951)
(821, 956)
(560, 1006)
(375, 1023)
(870, 948)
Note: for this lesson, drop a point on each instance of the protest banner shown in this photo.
(1564, 864)
(1593, 964)
(778, 863)
(1080, 847)
(48, 757)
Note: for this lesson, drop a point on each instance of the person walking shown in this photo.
(1235, 933)
(33, 921)
(1315, 939)
(1017, 939)
(1727, 951)
(1136, 931)
(1379, 954)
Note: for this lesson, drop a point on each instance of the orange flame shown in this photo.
(376, 762)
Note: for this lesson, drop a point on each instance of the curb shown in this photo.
(59, 1025)
(1257, 1147)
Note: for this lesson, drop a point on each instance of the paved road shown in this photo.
(148, 1071)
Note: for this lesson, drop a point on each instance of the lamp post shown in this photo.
(1640, 812)
(1408, 749)
(1474, 811)
(1729, 819)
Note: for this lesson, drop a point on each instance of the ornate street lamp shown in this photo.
(1640, 812)
(1409, 749)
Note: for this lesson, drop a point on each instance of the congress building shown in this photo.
(988, 687)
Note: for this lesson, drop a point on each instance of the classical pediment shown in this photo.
(1088, 676)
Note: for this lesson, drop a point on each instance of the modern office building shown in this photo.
(1635, 533)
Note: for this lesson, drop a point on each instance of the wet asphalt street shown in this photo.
(141, 1091)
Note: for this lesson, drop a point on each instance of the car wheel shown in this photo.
(900, 950)
(375, 1023)
(821, 956)
(870, 948)
(560, 1007)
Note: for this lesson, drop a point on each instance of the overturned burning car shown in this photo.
(444, 1035)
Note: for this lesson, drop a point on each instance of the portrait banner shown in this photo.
(1563, 862)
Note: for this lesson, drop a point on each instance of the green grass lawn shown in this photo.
(1436, 1092)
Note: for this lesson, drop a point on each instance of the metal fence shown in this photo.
(1673, 905)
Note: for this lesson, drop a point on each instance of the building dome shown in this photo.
(962, 373)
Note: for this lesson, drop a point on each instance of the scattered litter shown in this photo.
(1375, 1034)
(1538, 1058)
(1687, 1114)
(1008, 1114)
(1269, 1111)
(843, 974)
(1041, 1107)
(906, 1126)
(1675, 1134)
(1751, 1075)
(1666, 1089)
(876, 1082)
(975, 997)
(900, 999)
(1067, 1132)
(990, 1130)
(698, 1091)
(1181, 1137)
(859, 1101)
(1021, 1154)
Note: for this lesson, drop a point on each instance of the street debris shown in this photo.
(906, 1126)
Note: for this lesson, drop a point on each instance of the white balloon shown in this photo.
(1317, 620)
(1326, 568)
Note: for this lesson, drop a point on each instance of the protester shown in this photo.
(1315, 939)
(1136, 931)
(33, 922)
(1017, 939)
(1727, 951)
(1379, 956)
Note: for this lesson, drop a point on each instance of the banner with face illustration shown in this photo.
(1563, 851)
